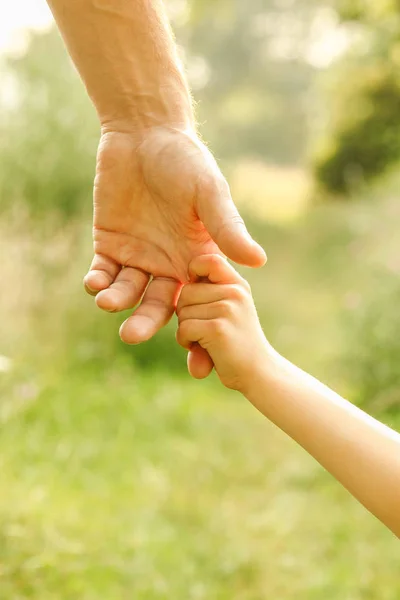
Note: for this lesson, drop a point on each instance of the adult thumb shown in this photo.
(223, 222)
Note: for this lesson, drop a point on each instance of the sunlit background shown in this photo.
(121, 477)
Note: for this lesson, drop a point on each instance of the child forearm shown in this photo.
(360, 452)
(363, 454)
(127, 58)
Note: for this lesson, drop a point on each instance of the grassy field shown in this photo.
(123, 479)
(122, 485)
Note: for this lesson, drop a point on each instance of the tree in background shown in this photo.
(362, 135)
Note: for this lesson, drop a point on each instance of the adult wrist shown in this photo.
(139, 133)
(162, 106)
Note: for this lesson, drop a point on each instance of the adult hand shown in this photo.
(158, 203)
(159, 198)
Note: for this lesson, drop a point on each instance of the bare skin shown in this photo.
(152, 205)
(159, 196)
(359, 451)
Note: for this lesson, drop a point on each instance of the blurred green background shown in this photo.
(120, 477)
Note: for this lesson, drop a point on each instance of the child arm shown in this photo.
(359, 451)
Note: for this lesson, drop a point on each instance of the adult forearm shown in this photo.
(363, 454)
(125, 53)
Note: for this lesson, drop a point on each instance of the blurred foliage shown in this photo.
(365, 137)
(361, 138)
(373, 352)
(252, 82)
(118, 474)
(253, 92)
(48, 132)
(253, 88)
(367, 11)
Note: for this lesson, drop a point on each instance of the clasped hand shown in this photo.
(159, 201)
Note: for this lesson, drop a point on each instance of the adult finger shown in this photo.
(125, 292)
(101, 274)
(156, 309)
(225, 225)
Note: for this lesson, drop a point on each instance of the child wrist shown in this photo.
(260, 373)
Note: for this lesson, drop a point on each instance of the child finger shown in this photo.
(213, 310)
(213, 267)
(200, 293)
(191, 331)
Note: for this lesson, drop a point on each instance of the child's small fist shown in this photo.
(218, 313)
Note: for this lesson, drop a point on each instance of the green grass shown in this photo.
(123, 485)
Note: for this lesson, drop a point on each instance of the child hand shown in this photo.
(221, 317)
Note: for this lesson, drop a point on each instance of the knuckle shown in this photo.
(225, 307)
(217, 327)
(237, 292)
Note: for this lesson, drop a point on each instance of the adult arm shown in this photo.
(159, 196)
(126, 56)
